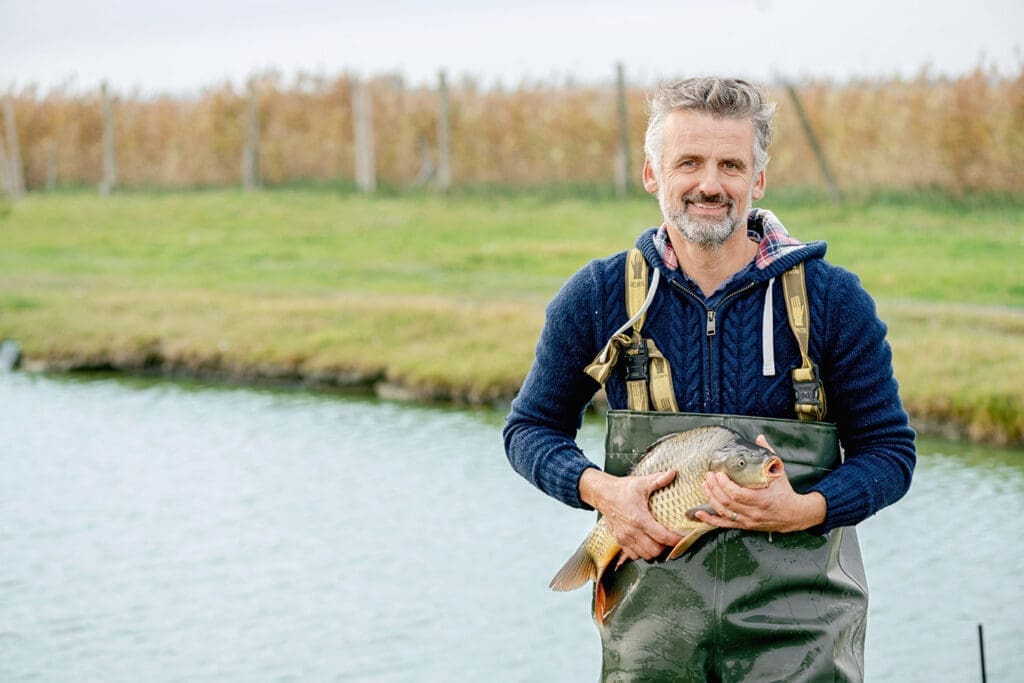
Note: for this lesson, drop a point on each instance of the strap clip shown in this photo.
(810, 393)
(636, 360)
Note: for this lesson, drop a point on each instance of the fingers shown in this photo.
(762, 509)
(661, 479)
(642, 536)
(624, 557)
(735, 506)
(661, 534)
(628, 516)
(719, 500)
(720, 488)
(763, 442)
(647, 538)
(651, 526)
(642, 547)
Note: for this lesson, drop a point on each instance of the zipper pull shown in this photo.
(711, 323)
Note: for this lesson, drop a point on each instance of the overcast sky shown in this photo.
(183, 45)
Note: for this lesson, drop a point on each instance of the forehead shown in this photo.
(687, 132)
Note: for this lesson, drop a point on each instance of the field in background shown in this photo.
(442, 298)
(957, 136)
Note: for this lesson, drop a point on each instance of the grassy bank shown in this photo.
(443, 297)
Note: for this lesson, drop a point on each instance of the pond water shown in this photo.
(161, 531)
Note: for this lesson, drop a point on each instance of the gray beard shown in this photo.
(704, 231)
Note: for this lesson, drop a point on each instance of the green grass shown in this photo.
(445, 295)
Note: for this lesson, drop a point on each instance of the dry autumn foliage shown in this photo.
(957, 136)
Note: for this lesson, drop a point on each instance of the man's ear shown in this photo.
(757, 191)
(650, 180)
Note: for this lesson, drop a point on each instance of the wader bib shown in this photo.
(738, 605)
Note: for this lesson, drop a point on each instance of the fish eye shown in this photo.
(741, 462)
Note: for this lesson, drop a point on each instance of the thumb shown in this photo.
(661, 479)
(763, 442)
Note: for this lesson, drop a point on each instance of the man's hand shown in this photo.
(624, 503)
(775, 508)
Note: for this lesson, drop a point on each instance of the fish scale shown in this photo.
(669, 504)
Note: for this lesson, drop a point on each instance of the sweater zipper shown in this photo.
(710, 330)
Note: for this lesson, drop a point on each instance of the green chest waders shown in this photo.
(738, 605)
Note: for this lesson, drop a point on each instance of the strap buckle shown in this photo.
(636, 360)
(810, 393)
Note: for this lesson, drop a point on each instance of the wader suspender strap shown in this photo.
(636, 351)
(810, 393)
(648, 376)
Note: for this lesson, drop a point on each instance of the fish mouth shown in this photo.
(773, 469)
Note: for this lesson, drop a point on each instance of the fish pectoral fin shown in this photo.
(691, 514)
(689, 537)
(577, 570)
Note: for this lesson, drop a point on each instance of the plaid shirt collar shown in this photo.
(773, 240)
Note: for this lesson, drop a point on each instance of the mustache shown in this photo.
(700, 197)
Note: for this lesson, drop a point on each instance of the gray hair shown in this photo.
(718, 97)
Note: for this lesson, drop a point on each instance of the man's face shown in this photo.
(706, 182)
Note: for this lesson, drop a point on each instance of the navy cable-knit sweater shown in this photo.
(721, 373)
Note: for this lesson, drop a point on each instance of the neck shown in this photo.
(709, 267)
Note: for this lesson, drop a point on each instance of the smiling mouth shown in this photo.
(707, 203)
(708, 206)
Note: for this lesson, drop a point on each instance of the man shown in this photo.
(741, 604)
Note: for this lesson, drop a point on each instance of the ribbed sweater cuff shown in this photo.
(843, 508)
(564, 483)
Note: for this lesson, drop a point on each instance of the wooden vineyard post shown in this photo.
(622, 153)
(109, 180)
(444, 155)
(812, 139)
(51, 165)
(251, 151)
(362, 134)
(14, 173)
(5, 172)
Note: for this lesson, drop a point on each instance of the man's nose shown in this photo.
(709, 182)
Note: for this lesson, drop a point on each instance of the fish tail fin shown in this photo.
(577, 570)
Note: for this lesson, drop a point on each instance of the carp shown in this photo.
(691, 454)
